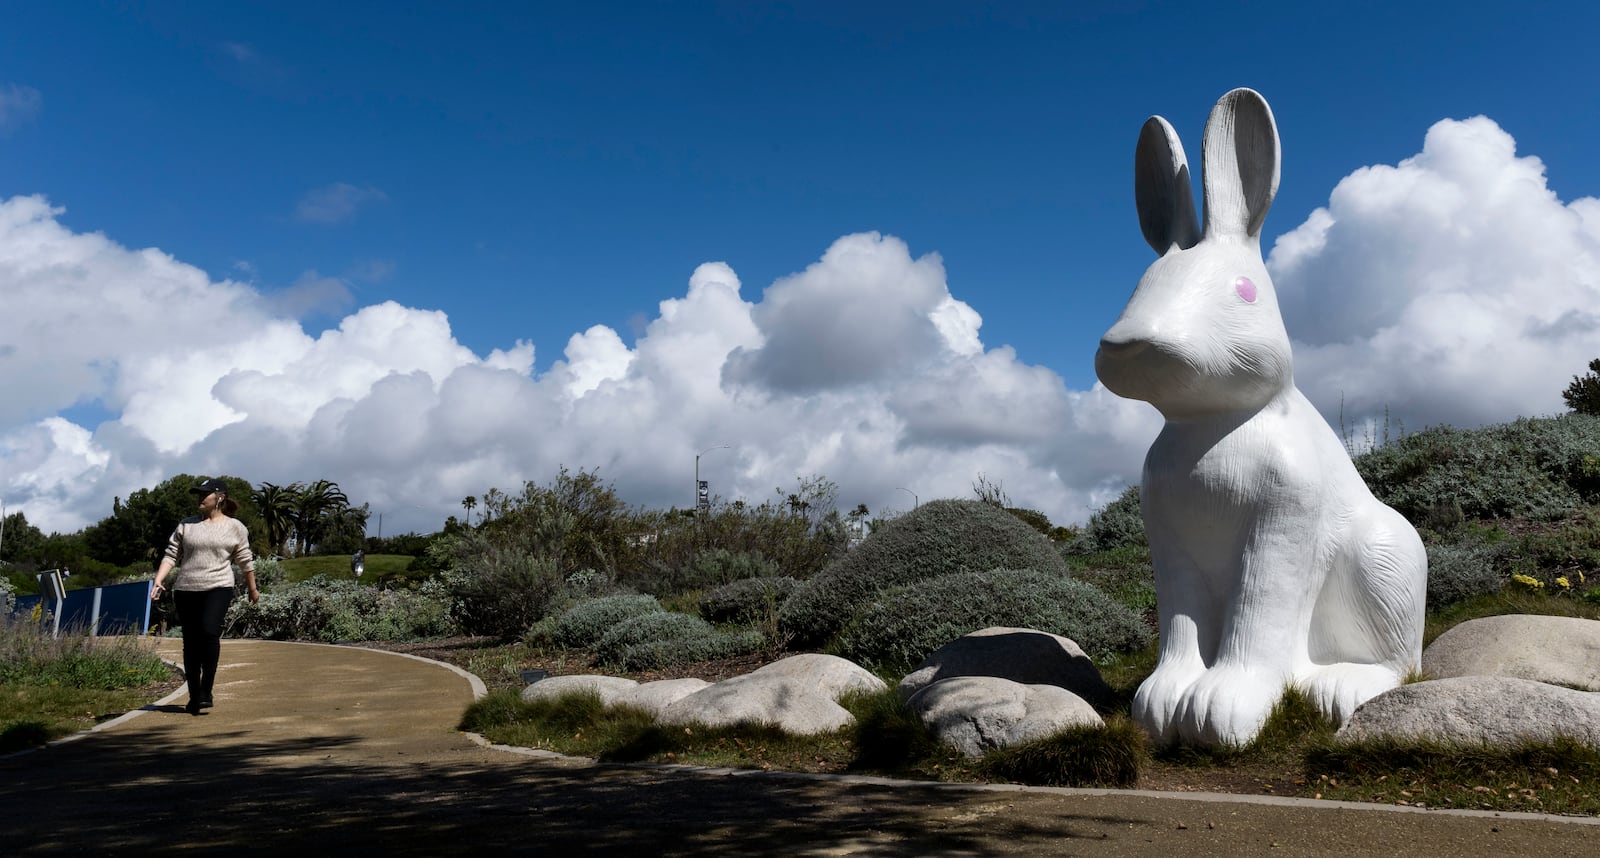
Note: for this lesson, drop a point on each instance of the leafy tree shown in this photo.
(469, 503)
(1583, 394)
(344, 530)
(20, 542)
(138, 528)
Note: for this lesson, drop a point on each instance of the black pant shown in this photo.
(200, 612)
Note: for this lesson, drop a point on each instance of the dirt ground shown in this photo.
(351, 751)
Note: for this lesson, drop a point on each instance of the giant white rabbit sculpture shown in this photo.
(1275, 566)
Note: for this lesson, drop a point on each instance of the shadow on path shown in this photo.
(351, 752)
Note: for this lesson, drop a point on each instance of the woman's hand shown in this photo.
(157, 592)
(255, 595)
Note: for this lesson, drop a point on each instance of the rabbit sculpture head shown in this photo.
(1202, 332)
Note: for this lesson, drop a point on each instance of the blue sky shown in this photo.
(533, 170)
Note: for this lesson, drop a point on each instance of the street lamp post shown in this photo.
(697, 471)
(914, 502)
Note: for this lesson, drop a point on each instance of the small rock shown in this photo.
(978, 714)
(608, 687)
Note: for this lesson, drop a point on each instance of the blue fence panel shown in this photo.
(122, 608)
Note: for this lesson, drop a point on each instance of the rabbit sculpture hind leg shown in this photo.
(1366, 629)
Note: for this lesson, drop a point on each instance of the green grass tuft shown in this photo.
(1087, 756)
(1558, 776)
(19, 735)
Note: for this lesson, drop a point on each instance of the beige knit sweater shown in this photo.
(203, 551)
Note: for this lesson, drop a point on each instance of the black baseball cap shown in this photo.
(208, 486)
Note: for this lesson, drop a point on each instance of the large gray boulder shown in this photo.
(1497, 710)
(1557, 650)
(655, 697)
(798, 694)
(608, 687)
(979, 714)
(1024, 656)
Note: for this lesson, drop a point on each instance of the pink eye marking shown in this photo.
(1246, 289)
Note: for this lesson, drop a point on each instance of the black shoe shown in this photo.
(192, 707)
(205, 701)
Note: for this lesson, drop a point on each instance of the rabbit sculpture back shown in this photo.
(1275, 566)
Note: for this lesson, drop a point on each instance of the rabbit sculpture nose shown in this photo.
(1119, 349)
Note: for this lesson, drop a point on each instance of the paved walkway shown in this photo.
(345, 751)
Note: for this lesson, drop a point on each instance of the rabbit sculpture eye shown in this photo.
(1275, 566)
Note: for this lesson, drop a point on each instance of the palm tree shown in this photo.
(858, 520)
(469, 503)
(314, 503)
(277, 505)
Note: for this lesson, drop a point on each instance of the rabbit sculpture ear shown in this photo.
(1162, 190)
(1241, 165)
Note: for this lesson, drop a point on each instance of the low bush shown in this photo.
(1117, 525)
(902, 626)
(1531, 468)
(646, 628)
(658, 654)
(939, 538)
(319, 609)
(497, 589)
(746, 601)
(270, 574)
(584, 624)
(1463, 569)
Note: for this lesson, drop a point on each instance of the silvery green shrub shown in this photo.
(648, 628)
(332, 610)
(903, 626)
(1117, 524)
(269, 573)
(1530, 468)
(1463, 569)
(655, 655)
(583, 624)
(941, 537)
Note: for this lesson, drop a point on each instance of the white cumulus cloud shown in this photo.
(895, 389)
(1454, 287)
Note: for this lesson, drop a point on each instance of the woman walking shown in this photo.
(204, 548)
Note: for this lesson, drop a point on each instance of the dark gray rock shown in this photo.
(1024, 656)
